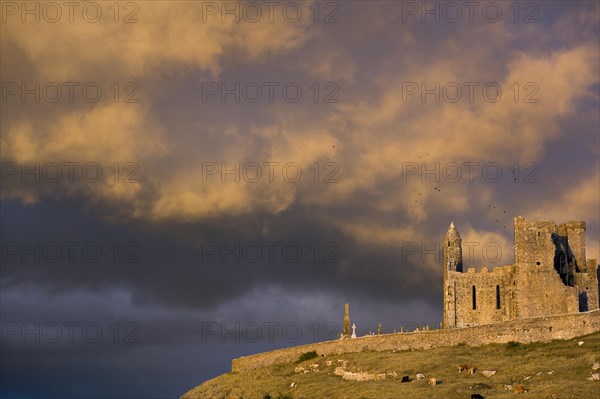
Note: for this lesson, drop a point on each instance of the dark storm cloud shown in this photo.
(197, 265)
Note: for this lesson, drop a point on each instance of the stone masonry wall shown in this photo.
(486, 310)
(541, 292)
(539, 329)
(533, 242)
(588, 283)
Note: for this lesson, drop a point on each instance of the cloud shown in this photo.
(165, 38)
(366, 138)
(371, 132)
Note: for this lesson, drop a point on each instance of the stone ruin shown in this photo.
(550, 292)
(550, 276)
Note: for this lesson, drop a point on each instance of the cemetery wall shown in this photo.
(541, 329)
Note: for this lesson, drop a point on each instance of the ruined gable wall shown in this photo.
(533, 242)
(539, 288)
(540, 292)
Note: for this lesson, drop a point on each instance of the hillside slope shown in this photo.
(559, 369)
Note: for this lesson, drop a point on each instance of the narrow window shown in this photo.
(474, 298)
(497, 297)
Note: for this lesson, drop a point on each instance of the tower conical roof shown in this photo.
(452, 231)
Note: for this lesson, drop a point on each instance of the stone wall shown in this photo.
(486, 301)
(540, 291)
(540, 329)
(533, 241)
(587, 284)
(575, 231)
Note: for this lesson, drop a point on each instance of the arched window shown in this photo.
(474, 298)
(497, 297)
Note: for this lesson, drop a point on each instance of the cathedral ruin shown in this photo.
(550, 292)
(550, 276)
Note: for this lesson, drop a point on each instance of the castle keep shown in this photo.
(550, 276)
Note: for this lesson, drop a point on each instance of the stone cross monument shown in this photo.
(353, 331)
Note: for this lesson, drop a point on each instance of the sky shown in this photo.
(185, 182)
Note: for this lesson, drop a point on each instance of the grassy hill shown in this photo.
(559, 369)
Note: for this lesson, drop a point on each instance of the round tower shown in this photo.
(452, 263)
(452, 251)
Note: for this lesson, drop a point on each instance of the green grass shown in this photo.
(307, 356)
(512, 345)
(570, 363)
